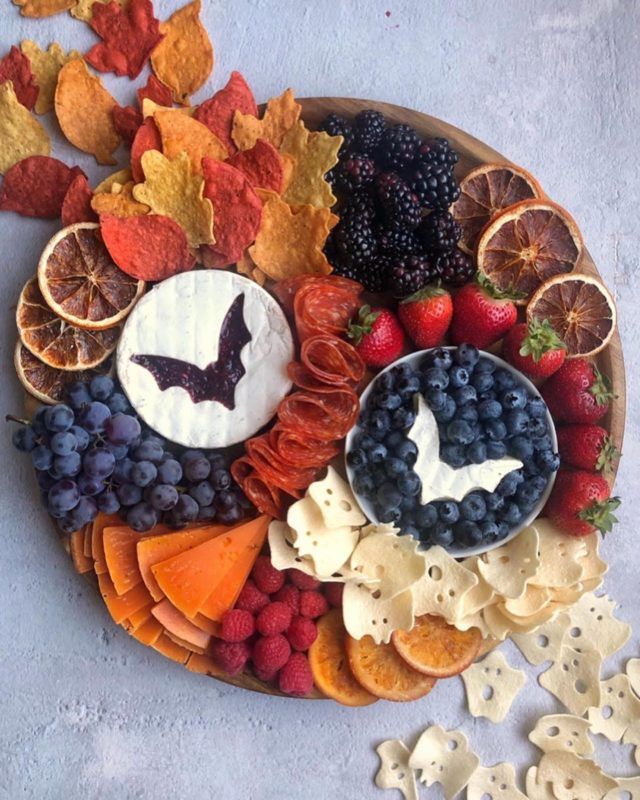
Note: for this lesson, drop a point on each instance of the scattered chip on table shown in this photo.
(21, 135)
(46, 65)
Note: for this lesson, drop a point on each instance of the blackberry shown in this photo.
(409, 274)
(436, 153)
(359, 204)
(373, 275)
(398, 146)
(354, 240)
(435, 186)
(456, 268)
(401, 205)
(397, 241)
(355, 172)
(369, 127)
(335, 125)
(439, 233)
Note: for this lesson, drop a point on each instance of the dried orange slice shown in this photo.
(45, 383)
(580, 310)
(527, 244)
(81, 283)
(436, 648)
(54, 341)
(330, 665)
(379, 669)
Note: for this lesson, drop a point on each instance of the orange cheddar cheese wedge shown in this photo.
(121, 607)
(119, 545)
(178, 626)
(81, 563)
(171, 650)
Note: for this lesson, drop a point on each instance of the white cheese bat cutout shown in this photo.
(439, 480)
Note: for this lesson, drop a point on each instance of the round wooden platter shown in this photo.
(472, 152)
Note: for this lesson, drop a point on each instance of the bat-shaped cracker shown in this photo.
(218, 380)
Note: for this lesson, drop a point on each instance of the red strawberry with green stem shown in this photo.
(586, 446)
(377, 335)
(482, 313)
(578, 392)
(534, 348)
(426, 315)
(581, 503)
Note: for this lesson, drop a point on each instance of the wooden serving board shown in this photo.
(472, 152)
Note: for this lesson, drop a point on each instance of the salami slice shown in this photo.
(303, 378)
(271, 466)
(287, 289)
(326, 416)
(301, 451)
(266, 498)
(332, 360)
(321, 307)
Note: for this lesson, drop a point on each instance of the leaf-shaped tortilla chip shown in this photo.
(83, 9)
(76, 206)
(180, 132)
(85, 112)
(262, 164)
(21, 135)
(172, 190)
(45, 65)
(16, 67)
(43, 8)
(314, 154)
(184, 58)
(217, 112)
(156, 91)
(280, 115)
(118, 202)
(36, 186)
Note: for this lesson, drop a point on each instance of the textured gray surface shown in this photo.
(87, 712)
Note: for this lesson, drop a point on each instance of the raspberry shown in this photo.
(333, 593)
(237, 625)
(251, 599)
(267, 578)
(270, 653)
(267, 677)
(230, 656)
(274, 618)
(295, 677)
(313, 604)
(302, 633)
(304, 582)
(289, 595)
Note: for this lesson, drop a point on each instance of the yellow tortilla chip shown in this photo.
(43, 8)
(171, 188)
(83, 9)
(149, 108)
(288, 165)
(246, 266)
(290, 243)
(122, 176)
(21, 134)
(84, 110)
(119, 202)
(45, 65)
(314, 154)
(182, 133)
(280, 115)
(183, 60)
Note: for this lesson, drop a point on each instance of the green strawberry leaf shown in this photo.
(540, 339)
(608, 454)
(600, 514)
(601, 388)
(426, 293)
(493, 291)
(363, 325)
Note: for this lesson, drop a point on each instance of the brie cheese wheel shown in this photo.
(441, 481)
(203, 358)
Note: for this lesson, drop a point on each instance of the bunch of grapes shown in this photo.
(92, 455)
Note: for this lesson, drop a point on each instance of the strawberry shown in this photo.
(482, 313)
(580, 503)
(578, 392)
(377, 335)
(586, 446)
(535, 349)
(426, 315)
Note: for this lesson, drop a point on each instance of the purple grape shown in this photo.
(186, 509)
(101, 387)
(170, 471)
(149, 450)
(66, 466)
(90, 486)
(202, 493)
(64, 443)
(221, 480)
(24, 439)
(122, 471)
(196, 469)
(142, 517)
(82, 437)
(108, 502)
(143, 473)
(84, 513)
(94, 417)
(41, 457)
(58, 418)
(119, 451)
(217, 461)
(98, 463)
(128, 494)
(207, 514)
(163, 497)
(189, 454)
(230, 516)
(122, 429)
(225, 500)
(37, 422)
(45, 481)
(78, 395)
(63, 496)
(118, 403)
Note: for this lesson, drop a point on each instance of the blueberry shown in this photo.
(356, 459)
(425, 516)
(490, 531)
(496, 450)
(503, 379)
(544, 443)
(485, 365)
(364, 485)
(467, 356)
(530, 469)
(517, 422)
(363, 440)
(410, 530)
(442, 534)
(394, 440)
(402, 419)
(468, 533)
(473, 507)
(440, 357)
(379, 423)
(511, 514)
(407, 506)
(402, 371)
(477, 452)
(409, 386)
(453, 455)
(389, 514)
(482, 381)
(495, 430)
(388, 400)
(388, 496)
(407, 451)
(539, 482)
(509, 484)
(449, 512)
(459, 432)
(536, 407)
(436, 399)
(377, 453)
(514, 398)
(465, 395)
(548, 461)
(394, 467)
(521, 447)
(435, 378)
(489, 409)
(537, 427)
(494, 501)
(468, 413)
(458, 376)
(527, 494)
(409, 483)
(386, 382)
(448, 412)
(489, 394)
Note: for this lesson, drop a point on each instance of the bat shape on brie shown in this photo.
(218, 380)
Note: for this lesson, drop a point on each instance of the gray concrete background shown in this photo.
(86, 712)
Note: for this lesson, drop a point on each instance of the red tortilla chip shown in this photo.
(217, 112)
(149, 247)
(16, 67)
(128, 37)
(147, 138)
(36, 186)
(126, 121)
(155, 90)
(262, 164)
(76, 206)
(237, 209)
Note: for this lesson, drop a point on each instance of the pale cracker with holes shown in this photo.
(444, 757)
(619, 708)
(497, 782)
(395, 772)
(574, 679)
(394, 560)
(328, 548)
(334, 498)
(573, 778)
(492, 685)
(562, 732)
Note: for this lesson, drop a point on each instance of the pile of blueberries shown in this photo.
(483, 412)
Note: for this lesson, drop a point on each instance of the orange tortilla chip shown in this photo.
(280, 115)
(314, 154)
(119, 202)
(43, 8)
(85, 112)
(180, 132)
(184, 58)
(246, 266)
(290, 242)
